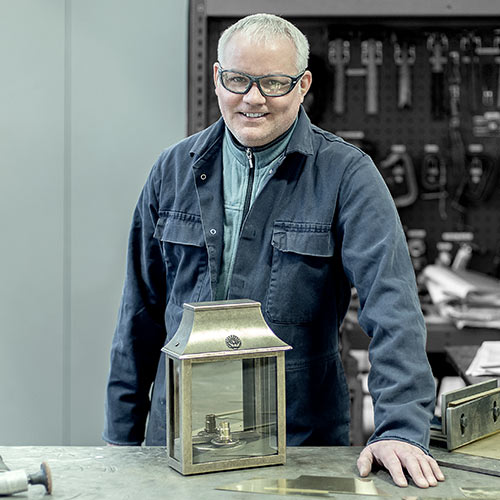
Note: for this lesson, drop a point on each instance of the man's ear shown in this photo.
(305, 83)
(216, 75)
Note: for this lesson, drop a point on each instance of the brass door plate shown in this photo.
(472, 418)
(464, 392)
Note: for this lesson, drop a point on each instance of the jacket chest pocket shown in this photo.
(184, 251)
(301, 271)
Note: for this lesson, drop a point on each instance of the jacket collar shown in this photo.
(302, 137)
(300, 142)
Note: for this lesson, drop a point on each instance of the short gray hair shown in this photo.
(266, 27)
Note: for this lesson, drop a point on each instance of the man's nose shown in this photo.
(254, 95)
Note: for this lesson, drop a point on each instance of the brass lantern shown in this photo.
(225, 389)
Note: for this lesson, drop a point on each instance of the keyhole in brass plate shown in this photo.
(463, 423)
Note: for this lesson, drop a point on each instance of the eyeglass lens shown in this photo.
(270, 85)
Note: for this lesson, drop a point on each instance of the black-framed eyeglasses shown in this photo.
(238, 82)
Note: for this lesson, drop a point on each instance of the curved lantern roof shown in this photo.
(226, 327)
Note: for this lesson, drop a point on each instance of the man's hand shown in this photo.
(394, 455)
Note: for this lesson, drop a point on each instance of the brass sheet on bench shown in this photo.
(307, 485)
(488, 447)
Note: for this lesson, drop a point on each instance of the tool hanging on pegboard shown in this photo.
(487, 62)
(417, 247)
(404, 57)
(432, 172)
(371, 57)
(433, 178)
(496, 44)
(338, 57)
(437, 44)
(479, 178)
(454, 85)
(487, 75)
(470, 64)
(399, 175)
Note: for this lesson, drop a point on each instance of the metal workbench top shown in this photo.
(123, 472)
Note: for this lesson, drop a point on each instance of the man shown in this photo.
(263, 205)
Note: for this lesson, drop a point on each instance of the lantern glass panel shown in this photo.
(173, 392)
(234, 409)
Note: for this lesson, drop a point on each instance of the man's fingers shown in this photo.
(438, 474)
(431, 471)
(428, 471)
(365, 462)
(423, 469)
(392, 463)
(420, 472)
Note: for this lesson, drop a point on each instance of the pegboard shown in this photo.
(414, 126)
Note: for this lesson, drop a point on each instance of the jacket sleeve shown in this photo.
(376, 260)
(140, 331)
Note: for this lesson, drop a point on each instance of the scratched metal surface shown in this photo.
(123, 473)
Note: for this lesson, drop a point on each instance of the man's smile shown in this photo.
(253, 115)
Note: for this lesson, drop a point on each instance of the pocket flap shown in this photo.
(184, 229)
(303, 238)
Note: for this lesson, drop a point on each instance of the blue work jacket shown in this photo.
(324, 221)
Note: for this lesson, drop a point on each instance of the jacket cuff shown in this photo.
(374, 439)
(118, 443)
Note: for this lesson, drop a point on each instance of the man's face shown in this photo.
(256, 120)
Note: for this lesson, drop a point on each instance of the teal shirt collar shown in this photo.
(263, 155)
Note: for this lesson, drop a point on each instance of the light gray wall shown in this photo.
(90, 92)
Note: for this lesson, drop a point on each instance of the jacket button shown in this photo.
(213, 231)
(203, 177)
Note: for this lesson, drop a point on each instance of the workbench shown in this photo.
(123, 472)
